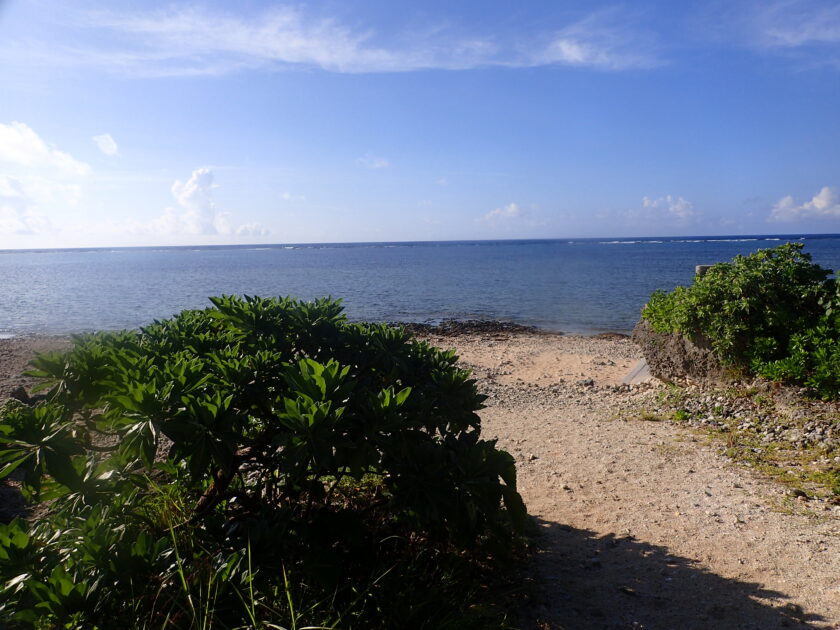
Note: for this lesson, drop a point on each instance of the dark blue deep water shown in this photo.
(581, 286)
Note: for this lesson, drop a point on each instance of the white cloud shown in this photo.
(17, 211)
(824, 205)
(106, 144)
(21, 146)
(44, 191)
(600, 40)
(806, 32)
(34, 177)
(196, 193)
(200, 41)
(505, 213)
(10, 188)
(201, 215)
(17, 223)
(251, 229)
(676, 207)
(796, 23)
(198, 214)
(372, 161)
(287, 196)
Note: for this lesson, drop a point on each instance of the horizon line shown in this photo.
(670, 238)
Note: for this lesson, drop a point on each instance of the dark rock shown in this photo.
(672, 357)
(454, 327)
(19, 393)
(12, 504)
(611, 336)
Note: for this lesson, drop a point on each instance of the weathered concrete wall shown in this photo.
(671, 357)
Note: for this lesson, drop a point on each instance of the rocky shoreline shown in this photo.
(456, 327)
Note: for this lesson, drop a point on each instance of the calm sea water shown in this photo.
(580, 286)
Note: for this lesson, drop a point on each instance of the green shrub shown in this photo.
(813, 359)
(773, 313)
(260, 461)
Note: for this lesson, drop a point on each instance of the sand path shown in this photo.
(643, 524)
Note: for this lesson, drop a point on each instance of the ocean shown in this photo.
(573, 286)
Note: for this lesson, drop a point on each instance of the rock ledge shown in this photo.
(672, 357)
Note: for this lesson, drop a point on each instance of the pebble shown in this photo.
(786, 417)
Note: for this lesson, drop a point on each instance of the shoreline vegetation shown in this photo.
(765, 410)
(258, 462)
(556, 402)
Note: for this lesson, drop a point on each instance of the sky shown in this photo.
(145, 123)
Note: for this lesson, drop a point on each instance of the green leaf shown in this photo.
(60, 467)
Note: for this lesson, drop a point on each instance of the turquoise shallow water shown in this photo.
(579, 286)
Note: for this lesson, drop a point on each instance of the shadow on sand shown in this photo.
(594, 582)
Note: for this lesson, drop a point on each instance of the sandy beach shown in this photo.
(641, 524)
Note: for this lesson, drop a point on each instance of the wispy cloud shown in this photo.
(656, 213)
(796, 23)
(600, 40)
(505, 213)
(107, 144)
(371, 161)
(824, 205)
(675, 207)
(200, 41)
(806, 32)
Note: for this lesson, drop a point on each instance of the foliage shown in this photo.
(262, 461)
(774, 313)
(813, 359)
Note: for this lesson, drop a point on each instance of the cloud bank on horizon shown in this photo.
(719, 117)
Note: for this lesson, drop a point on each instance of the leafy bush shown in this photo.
(813, 359)
(262, 461)
(773, 313)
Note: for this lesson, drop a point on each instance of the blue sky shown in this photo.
(127, 123)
